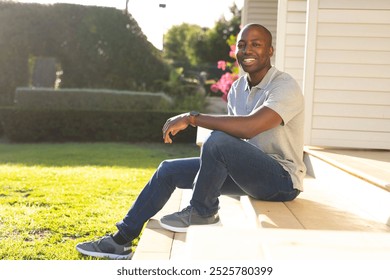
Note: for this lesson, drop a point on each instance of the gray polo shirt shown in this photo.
(281, 93)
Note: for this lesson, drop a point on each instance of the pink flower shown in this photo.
(214, 88)
(222, 65)
(224, 84)
(232, 52)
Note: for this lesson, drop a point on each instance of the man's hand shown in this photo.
(173, 125)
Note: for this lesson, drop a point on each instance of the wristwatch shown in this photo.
(192, 116)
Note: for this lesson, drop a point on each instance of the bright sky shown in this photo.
(155, 20)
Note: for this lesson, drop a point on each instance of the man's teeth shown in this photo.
(249, 59)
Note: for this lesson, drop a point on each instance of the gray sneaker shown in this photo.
(180, 221)
(105, 248)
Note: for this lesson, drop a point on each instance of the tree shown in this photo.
(192, 45)
(214, 48)
(179, 43)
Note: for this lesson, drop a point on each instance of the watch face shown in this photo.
(194, 113)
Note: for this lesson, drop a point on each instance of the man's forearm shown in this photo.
(241, 126)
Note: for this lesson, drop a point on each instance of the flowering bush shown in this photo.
(224, 84)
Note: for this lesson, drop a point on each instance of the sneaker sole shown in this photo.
(104, 255)
(183, 230)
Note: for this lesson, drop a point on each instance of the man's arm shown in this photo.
(244, 127)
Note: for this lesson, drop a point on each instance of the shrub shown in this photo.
(26, 125)
(89, 99)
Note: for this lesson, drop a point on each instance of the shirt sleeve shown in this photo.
(285, 98)
(231, 99)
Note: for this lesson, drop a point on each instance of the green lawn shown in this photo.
(53, 196)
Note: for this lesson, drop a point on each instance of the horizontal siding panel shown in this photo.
(352, 97)
(296, 28)
(353, 43)
(261, 10)
(353, 56)
(353, 70)
(354, 16)
(294, 62)
(268, 21)
(297, 6)
(262, 19)
(271, 26)
(263, 3)
(295, 52)
(352, 110)
(295, 40)
(350, 139)
(295, 72)
(298, 17)
(353, 124)
(345, 83)
(355, 4)
(354, 30)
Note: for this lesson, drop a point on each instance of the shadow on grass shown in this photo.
(140, 155)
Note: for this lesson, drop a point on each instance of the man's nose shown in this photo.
(246, 49)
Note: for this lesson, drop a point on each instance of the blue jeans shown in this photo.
(227, 165)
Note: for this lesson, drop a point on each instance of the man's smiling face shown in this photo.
(254, 51)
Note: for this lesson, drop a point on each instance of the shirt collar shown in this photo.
(264, 82)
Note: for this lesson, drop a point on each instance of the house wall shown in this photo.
(347, 73)
(339, 52)
(291, 38)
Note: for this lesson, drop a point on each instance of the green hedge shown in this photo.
(89, 99)
(23, 125)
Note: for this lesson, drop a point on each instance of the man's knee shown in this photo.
(219, 139)
(165, 167)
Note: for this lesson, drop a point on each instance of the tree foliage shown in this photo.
(196, 46)
(179, 43)
(96, 47)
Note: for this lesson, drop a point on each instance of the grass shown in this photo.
(53, 196)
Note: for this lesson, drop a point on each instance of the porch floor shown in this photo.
(370, 165)
(344, 213)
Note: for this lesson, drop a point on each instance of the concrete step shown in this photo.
(224, 244)
(159, 244)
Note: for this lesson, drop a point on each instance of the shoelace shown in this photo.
(103, 238)
(186, 210)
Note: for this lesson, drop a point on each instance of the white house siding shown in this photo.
(263, 12)
(291, 37)
(347, 74)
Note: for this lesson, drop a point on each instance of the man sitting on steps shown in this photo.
(255, 150)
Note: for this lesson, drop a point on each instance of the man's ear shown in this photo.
(271, 51)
